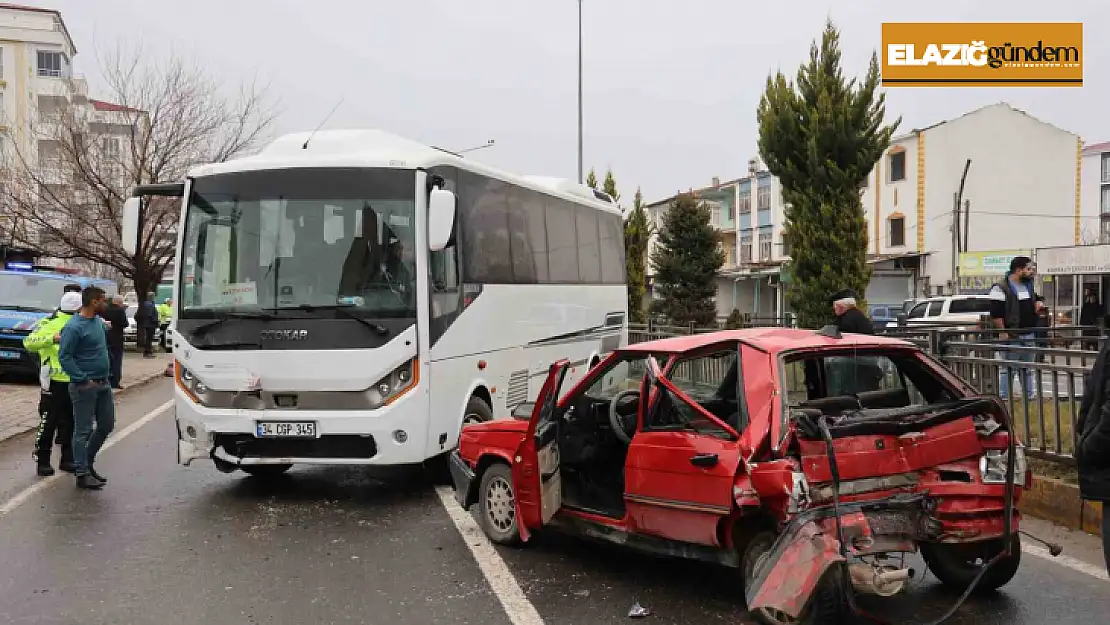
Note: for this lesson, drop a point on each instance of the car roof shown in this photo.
(770, 340)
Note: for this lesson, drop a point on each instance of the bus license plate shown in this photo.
(285, 429)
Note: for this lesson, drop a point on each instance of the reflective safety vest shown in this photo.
(165, 313)
(41, 341)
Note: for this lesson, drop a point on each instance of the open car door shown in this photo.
(539, 488)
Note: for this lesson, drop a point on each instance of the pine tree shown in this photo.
(591, 180)
(686, 260)
(822, 136)
(610, 186)
(637, 231)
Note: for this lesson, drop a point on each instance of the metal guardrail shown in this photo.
(1041, 379)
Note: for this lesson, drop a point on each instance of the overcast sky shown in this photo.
(671, 87)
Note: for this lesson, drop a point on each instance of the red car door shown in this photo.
(680, 472)
(536, 476)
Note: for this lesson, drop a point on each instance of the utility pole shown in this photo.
(955, 243)
(967, 222)
(579, 91)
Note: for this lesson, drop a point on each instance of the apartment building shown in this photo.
(39, 91)
(1095, 194)
(748, 212)
(1022, 189)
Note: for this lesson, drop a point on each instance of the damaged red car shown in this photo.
(810, 461)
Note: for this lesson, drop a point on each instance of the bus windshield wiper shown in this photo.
(228, 345)
(345, 311)
(205, 328)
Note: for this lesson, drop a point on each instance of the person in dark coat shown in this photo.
(1092, 453)
(116, 315)
(849, 318)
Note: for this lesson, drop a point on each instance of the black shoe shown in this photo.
(68, 467)
(89, 482)
(45, 470)
(99, 477)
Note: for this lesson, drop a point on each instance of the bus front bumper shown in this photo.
(393, 435)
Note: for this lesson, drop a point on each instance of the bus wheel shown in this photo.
(477, 411)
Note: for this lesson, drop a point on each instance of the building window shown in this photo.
(1106, 167)
(1105, 199)
(763, 197)
(764, 246)
(1105, 233)
(714, 213)
(746, 248)
(745, 201)
(51, 64)
(897, 166)
(785, 244)
(897, 233)
(1, 63)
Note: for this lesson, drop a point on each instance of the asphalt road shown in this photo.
(168, 545)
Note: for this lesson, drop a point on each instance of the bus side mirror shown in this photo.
(130, 230)
(441, 218)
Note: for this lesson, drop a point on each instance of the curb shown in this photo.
(1057, 501)
(20, 430)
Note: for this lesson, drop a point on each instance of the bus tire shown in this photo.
(477, 411)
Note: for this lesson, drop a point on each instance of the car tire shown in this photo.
(825, 607)
(497, 505)
(266, 471)
(477, 411)
(956, 565)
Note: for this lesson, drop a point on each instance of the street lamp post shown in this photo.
(579, 91)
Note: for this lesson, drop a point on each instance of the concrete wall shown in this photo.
(1091, 195)
(1022, 183)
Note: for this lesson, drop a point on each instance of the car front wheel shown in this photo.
(497, 505)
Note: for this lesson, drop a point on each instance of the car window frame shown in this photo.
(744, 418)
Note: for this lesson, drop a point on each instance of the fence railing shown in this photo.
(1039, 373)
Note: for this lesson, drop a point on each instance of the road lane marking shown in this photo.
(22, 497)
(1067, 562)
(517, 606)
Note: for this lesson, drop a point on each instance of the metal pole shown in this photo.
(579, 91)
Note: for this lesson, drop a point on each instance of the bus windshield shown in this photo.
(30, 292)
(301, 240)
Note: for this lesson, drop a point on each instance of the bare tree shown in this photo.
(158, 118)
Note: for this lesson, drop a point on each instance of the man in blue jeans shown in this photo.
(83, 354)
(1015, 308)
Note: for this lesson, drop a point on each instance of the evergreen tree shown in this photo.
(610, 186)
(591, 179)
(822, 136)
(637, 231)
(686, 260)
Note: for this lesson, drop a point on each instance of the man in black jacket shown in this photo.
(1093, 450)
(848, 317)
(116, 315)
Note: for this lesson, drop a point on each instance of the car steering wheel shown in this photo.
(617, 421)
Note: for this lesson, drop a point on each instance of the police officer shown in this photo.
(55, 405)
(165, 314)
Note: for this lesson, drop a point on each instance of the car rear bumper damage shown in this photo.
(808, 548)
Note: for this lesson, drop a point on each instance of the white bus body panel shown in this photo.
(518, 331)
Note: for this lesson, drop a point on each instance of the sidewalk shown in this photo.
(19, 402)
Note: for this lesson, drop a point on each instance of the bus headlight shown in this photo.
(397, 383)
(992, 466)
(188, 382)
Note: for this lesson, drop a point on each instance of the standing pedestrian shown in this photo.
(55, 407)
(1092, 453)
(1090, 317)
(84, 356)
(146, 322)
(165, 315)
(116, 315)
(1015, 309)
(849, 318)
